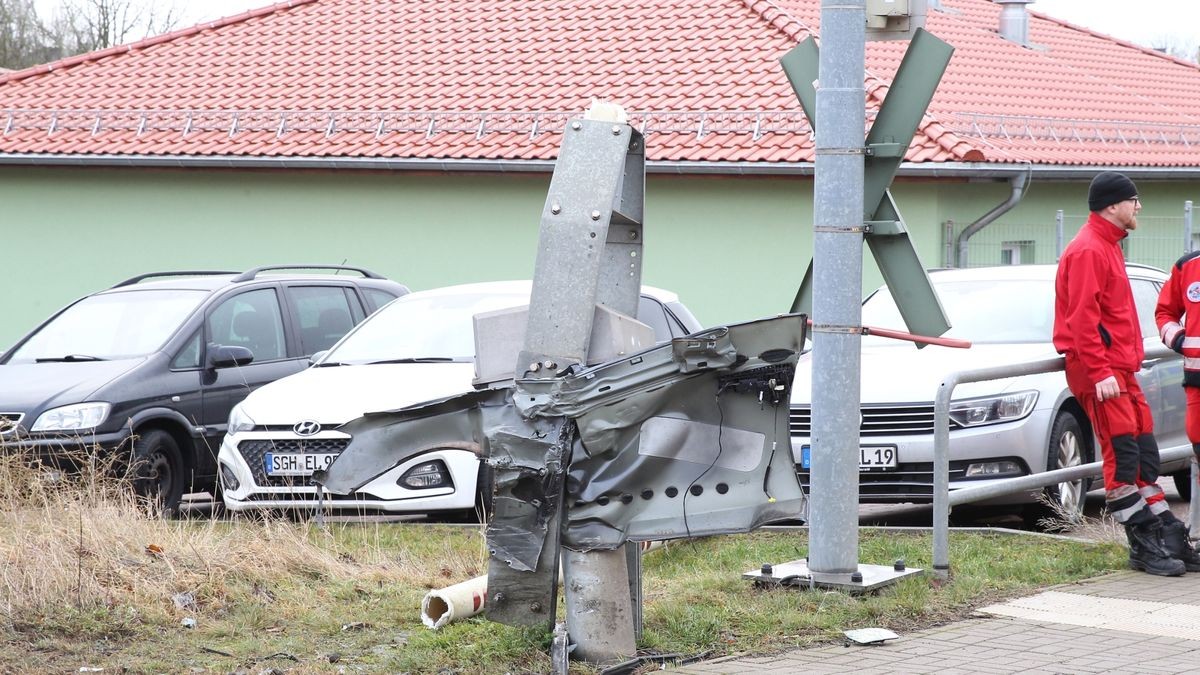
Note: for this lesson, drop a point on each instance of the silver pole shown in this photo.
(1033, 481)
(1058, 234)
(941, 448)
(600, 616)
(1187, 226)
(1194, 502)
(948, 237)
(941, 453)
(837, 287)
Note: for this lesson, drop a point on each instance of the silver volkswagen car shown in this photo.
(1000, 428)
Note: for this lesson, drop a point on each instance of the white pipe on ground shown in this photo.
(452, 603)
(466, 599)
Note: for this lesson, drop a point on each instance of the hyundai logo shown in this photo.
(306, 428)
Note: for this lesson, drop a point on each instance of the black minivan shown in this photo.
(151, 367)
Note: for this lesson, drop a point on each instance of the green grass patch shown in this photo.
(301, 599)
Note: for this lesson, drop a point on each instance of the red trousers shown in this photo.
(1193, 414)
(1125, 431)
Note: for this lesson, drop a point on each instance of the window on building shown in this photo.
(1016, 253)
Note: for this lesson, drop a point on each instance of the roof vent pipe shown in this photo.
(1014, 20)
(1017, 185)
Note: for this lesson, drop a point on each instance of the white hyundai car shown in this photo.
(419, 348)
(1000, 428)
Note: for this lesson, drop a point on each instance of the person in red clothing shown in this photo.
(1178, 317)
(1096, 329)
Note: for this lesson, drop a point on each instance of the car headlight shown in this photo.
(993, 409)
(77, 417)
(239, 421)
(427, 475)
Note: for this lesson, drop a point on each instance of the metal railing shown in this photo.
(943, 499)
(381, 123)
(1063, 131)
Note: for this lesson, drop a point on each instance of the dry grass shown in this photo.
(81, 545)
(1100, 529)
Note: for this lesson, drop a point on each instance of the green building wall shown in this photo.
(733, 247)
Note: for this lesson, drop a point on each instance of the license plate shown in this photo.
(870, 457)
(296, 464)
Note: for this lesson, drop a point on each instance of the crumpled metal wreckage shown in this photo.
(685, 439)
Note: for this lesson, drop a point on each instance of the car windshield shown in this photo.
(420, 327)
(982, 311)
(119, 325)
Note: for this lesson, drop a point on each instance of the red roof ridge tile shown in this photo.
(772, 13)
(1122, 42)
(954, 144)
(69, 61)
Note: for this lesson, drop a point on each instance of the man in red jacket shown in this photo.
(1178, 319)
(1096, 329)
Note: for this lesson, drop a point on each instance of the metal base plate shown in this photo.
(796, 573)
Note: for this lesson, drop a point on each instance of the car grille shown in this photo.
(877, 420)
(9, 422)
(912, 481)
(255, 450)
(306, 497)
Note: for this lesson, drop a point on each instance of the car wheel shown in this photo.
(1183, 483)
(1064, 501)
(158, 470)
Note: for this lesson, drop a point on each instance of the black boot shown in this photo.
(1175, 543)
(1146, 551)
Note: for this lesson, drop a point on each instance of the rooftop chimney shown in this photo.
(1014, 20)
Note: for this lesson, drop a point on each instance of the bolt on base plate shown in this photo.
(797, 574)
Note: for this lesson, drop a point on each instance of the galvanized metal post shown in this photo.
(1187, 226)
(600, 616)
(589, 253)
(941, 448)
(948, 248)
(837, 288)
(1058, 234)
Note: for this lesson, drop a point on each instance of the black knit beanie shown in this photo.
(1109, 188)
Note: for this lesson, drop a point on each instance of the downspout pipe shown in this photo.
(1017, 184)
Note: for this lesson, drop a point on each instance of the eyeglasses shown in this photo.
(1135, 200)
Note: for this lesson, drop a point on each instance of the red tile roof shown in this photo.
(497, 79)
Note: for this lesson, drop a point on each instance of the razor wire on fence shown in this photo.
(1159, 240)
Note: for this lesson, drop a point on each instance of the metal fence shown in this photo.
(944, 499)
(1159, 240)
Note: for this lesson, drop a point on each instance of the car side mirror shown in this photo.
(226, 356)
(312, 360)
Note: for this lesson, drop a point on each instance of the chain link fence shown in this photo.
(1158, 241)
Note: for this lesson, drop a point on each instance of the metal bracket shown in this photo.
(885, 228)
(849, 229)
(886, 150)
(834, 328)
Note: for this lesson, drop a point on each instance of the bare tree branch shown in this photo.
(22, 35)
(78, 26)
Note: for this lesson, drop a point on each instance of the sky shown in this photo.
(1145, 22)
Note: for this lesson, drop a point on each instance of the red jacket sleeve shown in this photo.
(1086, 280)
(1170, 309)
